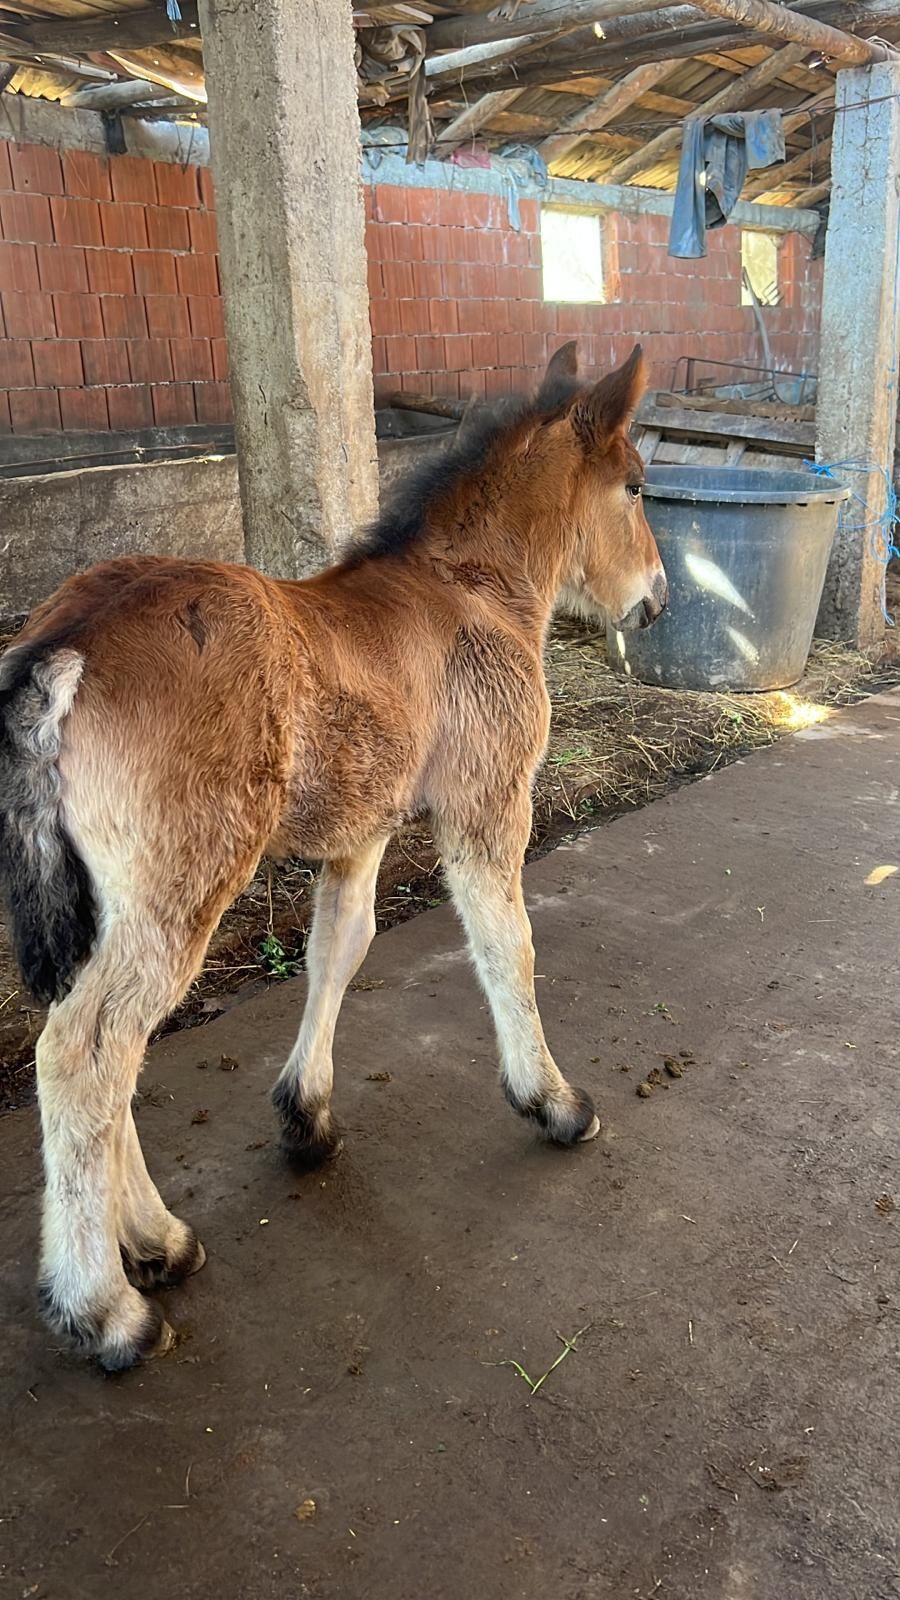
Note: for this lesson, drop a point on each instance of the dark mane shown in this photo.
(402, 521)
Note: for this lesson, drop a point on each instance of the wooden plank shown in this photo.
(797, 437)
(117, 30)
(766, 16)
(605, 108)
(465, 126)
(736, 408)
(811, 197)
(433, 405)
(735, 453)
(801, 165)
(742, 92)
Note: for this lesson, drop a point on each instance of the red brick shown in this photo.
(123, 227)
(197, 275)
(5, 418)
(391, 204)
(509, 349)
(420, 206)
(35, 168)
(191, 359)
(16, 365)
(458, 352)
(415, 316)
(105, 361)
(26, 217)
(173, 404)
(374, 279)
(86, 176)
(220, 360)
(400, 353)
(455, 280)
(62, 269)
(124, 316)
(449, 208)
(446, 384)
(433, 242)
(482, 282)
(384, 316)
(203, 232)
(379, 357)
(19, 268)
(130, 407)
(110, 272)
(78, 316)
(176, 185)
(76, 221)
(476, 316)
(545, 317)
(213, 402)
(57, 363)
(430, 353)
(133, 180)
(150, 360)
(29, 316)
(83, 409)
(207, 188)
(444, 316)
(397, 277)
(407, 243)
(207, 316)
(5, 169)
(167, 317)
(534, 350)
(484, 350)
(496, 382)
(427, 280)
(34, 411)
(154, 272)
(471, 386)
(167, 229)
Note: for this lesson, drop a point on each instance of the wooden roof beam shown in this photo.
(775, 178)
(766, 16)
(605, 108)
(811, 197)
(107, 30)
(471, 120)
(541, 16)
(741, 92)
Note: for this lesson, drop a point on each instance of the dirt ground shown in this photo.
(346, 1416)
(614, 745)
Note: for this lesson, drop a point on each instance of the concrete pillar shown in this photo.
(860, 332)
(284, 141)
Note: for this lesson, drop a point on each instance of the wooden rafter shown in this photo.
(122, 30)
(811, 197)
(541, 16)
(471, 120)
(800, 166)
(766, 16)
(605, 108)
(732, 98)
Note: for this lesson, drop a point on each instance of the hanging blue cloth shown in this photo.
(527, 164)
(716, 155)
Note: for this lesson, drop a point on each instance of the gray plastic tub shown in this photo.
(745, 553)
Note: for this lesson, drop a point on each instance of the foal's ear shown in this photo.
(609, 408)
(562, 370)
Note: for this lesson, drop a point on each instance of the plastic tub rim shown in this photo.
(662, 483)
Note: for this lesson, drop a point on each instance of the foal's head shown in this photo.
(614, 569)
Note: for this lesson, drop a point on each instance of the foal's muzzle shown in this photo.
(647, 610)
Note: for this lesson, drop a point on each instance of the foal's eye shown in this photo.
(634, 490)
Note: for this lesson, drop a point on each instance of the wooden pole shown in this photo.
(469, 121)
(597, 113)
(541, 16)
(811, 197)
(765, 16)
(776, 177)
(743, 91)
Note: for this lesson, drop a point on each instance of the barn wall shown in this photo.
(112, 316)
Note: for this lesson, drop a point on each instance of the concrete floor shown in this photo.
(727, 1426)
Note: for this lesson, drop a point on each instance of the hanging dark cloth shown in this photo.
(716, 155)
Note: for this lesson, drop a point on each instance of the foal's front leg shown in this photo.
(342, 930)
(486, 883)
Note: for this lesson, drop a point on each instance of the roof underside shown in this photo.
(126, 56)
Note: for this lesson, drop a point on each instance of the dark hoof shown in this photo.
(158, 1272)
(562, 1122)
(119, 1339)
(309, 1134)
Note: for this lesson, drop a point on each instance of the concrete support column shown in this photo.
(284, 140)
(860, 331)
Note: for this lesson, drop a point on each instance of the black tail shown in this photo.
(45, 883)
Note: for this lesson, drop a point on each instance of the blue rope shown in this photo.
(880, 529)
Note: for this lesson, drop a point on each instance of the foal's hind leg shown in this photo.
(483, 864)
(342, 930)
(158, 1249)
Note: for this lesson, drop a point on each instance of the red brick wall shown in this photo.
(109, 294)
(111, 316)
(457, 301)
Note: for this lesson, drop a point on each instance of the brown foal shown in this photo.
(163, 724)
